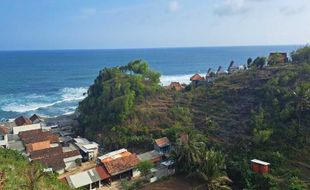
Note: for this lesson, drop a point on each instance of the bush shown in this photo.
(301, 55)
(297, 184)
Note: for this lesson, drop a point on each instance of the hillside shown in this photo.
(262, 112)
(16, 173)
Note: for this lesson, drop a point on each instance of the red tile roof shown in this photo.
(103, 173)
(3, 130)
(162, 142)
(122, 164)
(22, 121)
(197, 77)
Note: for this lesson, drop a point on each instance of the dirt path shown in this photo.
(173, 183)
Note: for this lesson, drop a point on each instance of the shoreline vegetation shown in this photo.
(261, 111)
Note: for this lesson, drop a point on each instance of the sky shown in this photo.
(113, 24)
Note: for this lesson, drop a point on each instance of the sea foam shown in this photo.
(35, 102)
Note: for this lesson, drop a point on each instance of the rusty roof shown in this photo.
(103, 173)
(162, 142)
(22, 120)
(121, 164)
(197, 77)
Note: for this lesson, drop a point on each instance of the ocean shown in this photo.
(51, 83)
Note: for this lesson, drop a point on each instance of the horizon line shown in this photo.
(150, 48)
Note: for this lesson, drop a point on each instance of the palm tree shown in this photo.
(211, 171)
(187, 154)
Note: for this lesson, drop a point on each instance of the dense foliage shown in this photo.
(194, 160)
(17, 173)
(261, 113)
(111, 100)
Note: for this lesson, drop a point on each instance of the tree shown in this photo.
(301, 55)
(212, 171)
(249, 62)
(112, 99)
(301, 102)
(145, 168)
(296, 184)
(259, 62)
(78, 161)
(187, 154)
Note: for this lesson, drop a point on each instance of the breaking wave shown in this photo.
(35, 102)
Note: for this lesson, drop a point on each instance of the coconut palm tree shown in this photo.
(187, 154)
(211, 171)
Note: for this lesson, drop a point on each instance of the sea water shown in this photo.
(51, 83)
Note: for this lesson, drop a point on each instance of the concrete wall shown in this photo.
(4, 142)
(19, 129)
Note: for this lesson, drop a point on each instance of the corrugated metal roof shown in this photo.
(84, 178)
(79, 180)
(149, 156)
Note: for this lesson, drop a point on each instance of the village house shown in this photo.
(175, 86)
(4, 136)
(51, 157)
(70, 156)
(88, 150)
(120, 164)
(279, 57)
(37, 139)
(162, 145)
(23, 123)
(196, 79)
(89, 179)
(152, 156)
(15, 143)
(36, 119)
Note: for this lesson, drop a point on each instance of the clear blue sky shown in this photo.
(92, 24)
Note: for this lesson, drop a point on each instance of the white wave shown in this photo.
(72, 94)
(183, 79)
(20, 108)
(67, 95)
